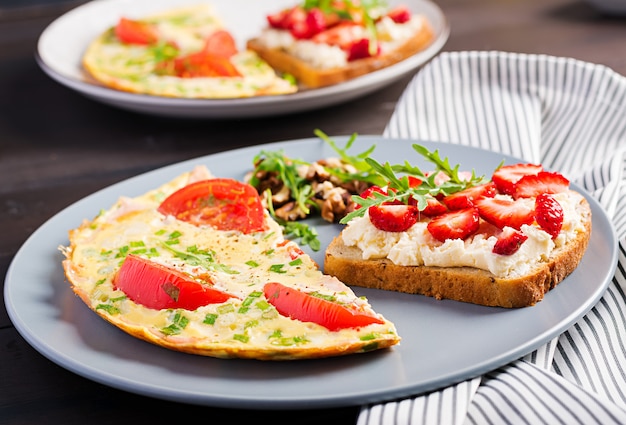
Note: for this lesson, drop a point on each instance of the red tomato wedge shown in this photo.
(156, 286)
(308, 308)
(212, 61)
(200, 64)
(223, 203)
(221, 43)
(135, 32)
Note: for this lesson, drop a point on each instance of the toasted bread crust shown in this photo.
(312, 77)
(459, 283)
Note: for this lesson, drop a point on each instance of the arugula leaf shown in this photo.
(369, 7)
(401, 189)
(287, 170)
(306, 234)
(359, 162)
(301, 190)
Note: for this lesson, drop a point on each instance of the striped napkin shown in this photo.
(570, 116)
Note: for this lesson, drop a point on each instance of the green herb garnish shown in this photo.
(399, 188)
(196, 257)
(277, 268)
(305, 233)
(301, 190)
(365, 172)
(287, 172)
(210, 318)
(179, 322)
(109, 308)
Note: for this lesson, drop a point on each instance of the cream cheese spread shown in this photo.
(324, 56)
(417, 247)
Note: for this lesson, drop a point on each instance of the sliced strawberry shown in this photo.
(277, 20)
(361, 49)
(313, 23)
(301, 31)
(466, 197)
(505, 212)
(506, 176)
(549, 214)
(369, 193)
(414, 181)
(294, 16)
(434, 208)
(343, 35)
(531, 186)
(487, 229)
(301, 23)
(393, 217)
(457, 224)
(440, 178)
(316, 20)
(509, 242)
(400, 14)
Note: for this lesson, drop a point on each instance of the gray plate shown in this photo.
(444, 342)
(62, 44)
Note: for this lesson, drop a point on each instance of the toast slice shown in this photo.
(312, 76)
(466, 284)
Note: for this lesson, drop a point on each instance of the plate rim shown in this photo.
(235, 108)
(265, 402)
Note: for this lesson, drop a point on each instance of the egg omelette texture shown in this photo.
(136, 66)
(247, 267)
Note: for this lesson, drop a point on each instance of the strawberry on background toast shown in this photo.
(321, 43)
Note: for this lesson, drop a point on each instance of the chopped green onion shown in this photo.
(241, 338)
(111, 309)
(277, 268)
(210, 318)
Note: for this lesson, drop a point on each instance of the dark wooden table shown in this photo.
(57, 146)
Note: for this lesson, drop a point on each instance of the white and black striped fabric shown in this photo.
(570, 116)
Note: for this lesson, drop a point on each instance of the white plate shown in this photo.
(61, 46)
(443, 341)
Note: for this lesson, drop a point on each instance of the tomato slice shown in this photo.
(135, 32)
(223, 203)
(199, 64)
(156, 286)
(308, 308)
(220, 43)
(212, 61)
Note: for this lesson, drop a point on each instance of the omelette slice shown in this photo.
(199, 266)
(183, 53)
